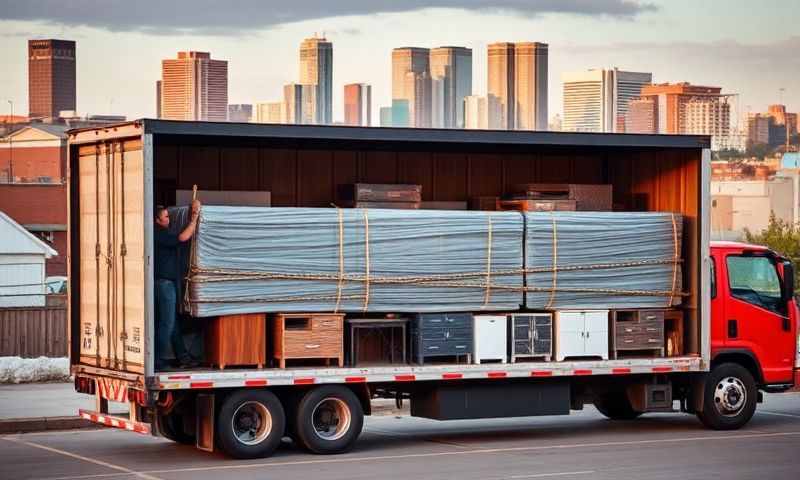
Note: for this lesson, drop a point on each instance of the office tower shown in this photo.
(642, 116)
(271, 112)
(386, 116)
(451, 82)
(241, 113)
(476, 112)
(316, 68)
(194, 87)
(158, 98)
(501, 81)
(51, 77)
(783, 119)
(300, 103)
(404, 91)
(597, 100)
(530, 86)
(418, 101)
(358, 104)
(758, 127)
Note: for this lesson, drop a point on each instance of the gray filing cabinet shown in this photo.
(530, 336)
(440, 335)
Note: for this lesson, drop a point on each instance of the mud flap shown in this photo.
(205, 422)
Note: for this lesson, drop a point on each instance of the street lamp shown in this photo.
(11, 146)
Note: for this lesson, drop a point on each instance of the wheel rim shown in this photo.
(331, 418)
(251, 423)
(730, 396)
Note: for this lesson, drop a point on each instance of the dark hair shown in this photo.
(157, 211)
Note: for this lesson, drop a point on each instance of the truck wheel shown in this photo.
(172, 427)
(250, 424)
(329, 420)
(616, 406)
(729, 397)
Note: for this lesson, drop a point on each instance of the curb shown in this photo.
(43, 424)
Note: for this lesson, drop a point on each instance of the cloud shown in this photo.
(236, 16)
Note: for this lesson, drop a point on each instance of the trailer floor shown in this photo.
(582, 446)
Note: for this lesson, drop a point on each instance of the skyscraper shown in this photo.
(418, 91)
(451, 82)
(530, 86)
(481, 112)
(194, 87)
(273, 112)
(404, 91)
(597, 100)
(158, 99)
(517, 78)
(51, 77)
(300, 103)
(240, 112)
(316, 68)
(501, 81)
(358, 104)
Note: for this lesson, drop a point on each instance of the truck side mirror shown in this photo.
(788, 281)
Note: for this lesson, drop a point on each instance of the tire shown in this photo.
(250, 424)
(616, 406)
(729, 397)
(329, 420)
(173, 427)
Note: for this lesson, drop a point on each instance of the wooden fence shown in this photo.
(33, 332)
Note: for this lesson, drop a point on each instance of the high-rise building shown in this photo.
(597, 100)
(386, 116)
(418, 89)
(316, 68)
(501, 74)
(241, 113)
(300, 103)
(404, 91)
(530, 86)
(358, 104)
(642, 116)
(158, 98)
(451, 82)
(272, 112)
(194, 87)
(783, 119)
(481, 112)
(51, 77)
(758, 127)
(517, 77)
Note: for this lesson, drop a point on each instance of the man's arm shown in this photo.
(188, 232)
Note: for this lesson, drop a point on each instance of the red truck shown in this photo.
(737, 327)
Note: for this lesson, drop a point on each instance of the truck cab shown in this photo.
(754, 313)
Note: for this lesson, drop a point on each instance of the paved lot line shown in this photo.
(555, 474)
(85, 459)
(779, 414)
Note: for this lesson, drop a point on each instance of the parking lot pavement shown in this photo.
(582, 445)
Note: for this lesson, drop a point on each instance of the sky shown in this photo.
(750, 48)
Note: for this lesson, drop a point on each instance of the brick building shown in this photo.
(33, 188)
(51, 77)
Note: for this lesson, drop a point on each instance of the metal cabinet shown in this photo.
(530, 336)
(441, 334)
(581, 334)
(489, 338)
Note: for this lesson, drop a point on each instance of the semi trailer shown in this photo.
(737, 333)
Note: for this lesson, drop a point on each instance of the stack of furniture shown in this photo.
(237, 340)
(531, 336)
(489, 338)
(441, 335)
(309, 336)
(584, 197)
(581, 333)
(376, 341)
(379, 195)
(523, 205)
(638, 332)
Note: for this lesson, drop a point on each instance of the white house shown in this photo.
(22, 271)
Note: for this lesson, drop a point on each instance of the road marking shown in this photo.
(778, 414)
(85, 459)
(555, 474)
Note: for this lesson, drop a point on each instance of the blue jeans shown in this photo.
(168, 332)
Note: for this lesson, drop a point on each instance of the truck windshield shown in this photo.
(755, 280)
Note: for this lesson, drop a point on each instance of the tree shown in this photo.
(782, 237)
(759, 150)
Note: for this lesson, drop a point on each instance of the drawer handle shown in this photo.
(653, 340)
(628, 341)
(461, 346)
(651, 317)
(628, 330)
(312, 345)
(433, 347)
(329, 324)
(653, 329)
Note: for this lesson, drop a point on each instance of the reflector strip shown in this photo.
(255, 383)
(541, 373)
(582, 372)
(179, 377)
(452, 376)
(201, 385)
(621, 371)
(355, 379)
(405, 378)
(115, 422)
(662, 369)
(497, 374)
(304, 381)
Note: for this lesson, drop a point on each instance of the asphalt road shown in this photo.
(581, 446)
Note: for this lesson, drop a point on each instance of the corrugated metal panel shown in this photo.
(33, 332)
(22, 281)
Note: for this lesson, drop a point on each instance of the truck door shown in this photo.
(756, 317)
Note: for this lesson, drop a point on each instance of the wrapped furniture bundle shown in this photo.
(248, 260)
(603, 260)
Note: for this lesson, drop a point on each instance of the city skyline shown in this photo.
(659, 40)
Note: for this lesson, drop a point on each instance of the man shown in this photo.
(168, 331)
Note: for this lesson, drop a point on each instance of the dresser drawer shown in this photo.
(639, 341)
(436, 320)
(444, 334)
(445, 348)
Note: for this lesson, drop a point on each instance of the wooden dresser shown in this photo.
(309, 336)
(237, 340)
(638, 332)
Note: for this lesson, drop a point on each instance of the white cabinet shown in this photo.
(582, 334)
(489, 338)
